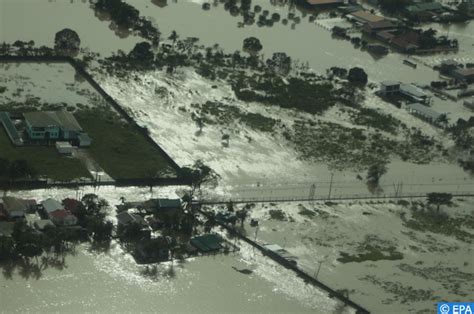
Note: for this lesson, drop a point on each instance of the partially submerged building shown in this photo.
(423, 112)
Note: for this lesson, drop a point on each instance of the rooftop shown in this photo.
(63, 119)
(51, 205)
(366, 16)
(207, 242)
(412, 90)
(424, 110)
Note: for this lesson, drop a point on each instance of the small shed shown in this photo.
(84, 140)
(207, 243)
(64, 148)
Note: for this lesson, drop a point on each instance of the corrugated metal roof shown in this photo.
(412, 90)
(50, 205)
(63, 119)
(424, 110)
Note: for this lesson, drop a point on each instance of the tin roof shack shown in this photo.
(424, 112)
(362, 17)
(424, 11)
(207, 243)
(169, 211)
(464, 75)
(16, 208)
(414, 94)
(371, 28)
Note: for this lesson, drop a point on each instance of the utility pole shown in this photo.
(312, 191)
(316, 273)
(330, 186)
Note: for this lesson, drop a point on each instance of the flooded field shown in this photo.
(416, 268)
(46, 82)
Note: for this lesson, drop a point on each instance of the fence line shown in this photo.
(283, 199)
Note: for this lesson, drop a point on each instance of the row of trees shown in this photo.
(127, 17)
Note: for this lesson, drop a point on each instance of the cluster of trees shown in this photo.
(127, 17)
(67, 42)
(16, 169)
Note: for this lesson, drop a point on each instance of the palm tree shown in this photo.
(173, 37)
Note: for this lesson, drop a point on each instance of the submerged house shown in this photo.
(55, 125)
(15, 207)
(55, 211)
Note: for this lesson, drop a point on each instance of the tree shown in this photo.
(142, 53)
(173, 36)
(442, 119)
(6, 248)
(252, 45)
(374, 173)
(67, 41)
(439, 199)
(198, 175)
(357, 76)
(280, 63)
(242, 215)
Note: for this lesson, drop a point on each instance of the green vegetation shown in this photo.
(44, 161)
(119, 148)
(306, 212)
(293, 93)
(277, 214)
(372, 249)
(402, 294)
(376, 119)
(218, 113)
(429, 221)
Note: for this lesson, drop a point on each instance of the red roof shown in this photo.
(71, 204)
(60, 214)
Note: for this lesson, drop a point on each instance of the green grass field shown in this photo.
(46, 161)
(120, 149)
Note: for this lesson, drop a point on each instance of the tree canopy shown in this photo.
(252, 45)
(67, 41)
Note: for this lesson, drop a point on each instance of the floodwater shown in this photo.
(113, 282)
(40, 20)
(37, 80)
